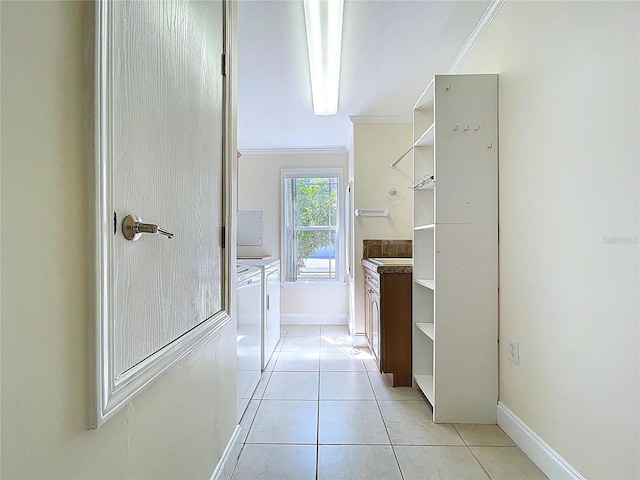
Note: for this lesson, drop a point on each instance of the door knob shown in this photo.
(133, 228)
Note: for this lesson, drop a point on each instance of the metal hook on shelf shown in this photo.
(456, 128)
(491, 145)
(477, 128)
(466, 129)
(448, 88)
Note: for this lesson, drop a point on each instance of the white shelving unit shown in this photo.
(427, 329)
(424, 227)
(426, 282)
(455, 265)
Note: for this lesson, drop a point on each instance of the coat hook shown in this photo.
(448, 88)
(466, 129)
(477, 128)
(491, 145)
(455, 129)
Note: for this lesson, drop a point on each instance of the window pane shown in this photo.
(316, 202)
(315, 254)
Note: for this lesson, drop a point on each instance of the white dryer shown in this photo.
(270, 268)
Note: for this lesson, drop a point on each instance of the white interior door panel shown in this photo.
(167, 101)
(160, 113)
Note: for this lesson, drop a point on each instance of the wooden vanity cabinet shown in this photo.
(387, 310)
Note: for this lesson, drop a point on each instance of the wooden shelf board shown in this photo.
(427, 329)
(427, 282)
(424, 227)
(425, 382)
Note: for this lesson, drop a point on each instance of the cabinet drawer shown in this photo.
(372, 279)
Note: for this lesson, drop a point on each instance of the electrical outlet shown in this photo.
(514, 351)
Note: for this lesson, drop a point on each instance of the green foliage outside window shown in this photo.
(316, 206)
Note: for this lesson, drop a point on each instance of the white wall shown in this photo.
(569, 150)
(180, 425)
(375, 147)
(259, 188)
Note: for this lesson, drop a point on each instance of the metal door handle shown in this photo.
(133, 228)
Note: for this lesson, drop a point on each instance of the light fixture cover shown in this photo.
(323, 22)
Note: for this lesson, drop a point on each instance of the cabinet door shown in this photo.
(367, 313)
(374, 317)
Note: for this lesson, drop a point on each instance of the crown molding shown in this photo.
(395, 119)
(484, 22)
(294, 151)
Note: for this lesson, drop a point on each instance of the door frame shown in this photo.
(111, 393)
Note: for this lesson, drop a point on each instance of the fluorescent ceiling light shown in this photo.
(323, 21)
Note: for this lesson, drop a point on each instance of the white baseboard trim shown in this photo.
(227, 462)
(359, 340)
(314, 319)
(545, 457)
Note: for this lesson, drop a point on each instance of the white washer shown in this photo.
(270, 268)
(249, 334)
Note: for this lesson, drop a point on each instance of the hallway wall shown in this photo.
(375, 147)
(569, 259)
(180, 425)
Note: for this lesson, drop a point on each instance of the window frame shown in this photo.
(285, 244)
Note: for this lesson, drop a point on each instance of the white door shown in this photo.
(163, 117)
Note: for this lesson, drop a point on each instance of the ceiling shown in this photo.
(390, 51)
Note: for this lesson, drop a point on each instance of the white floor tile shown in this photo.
(272, 361)
(285, 422)
(298, 362)
(410, 423)
(301, 344)
(282, 462)
(341, 362)
(332, 343)
(292, 386)
(452, 463)
(371, 365)
(484, 435)
(383, 389)
(357, 462)
(507, 463)
(345, 386)
(303, 331)
(262, 385)
(247, 419)
(335, 330)
(348, 422)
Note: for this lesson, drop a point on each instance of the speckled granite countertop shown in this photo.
(389, 265)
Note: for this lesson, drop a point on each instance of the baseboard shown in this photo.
(314, 319)
(545, 457)
(359, 340)
(227, 462)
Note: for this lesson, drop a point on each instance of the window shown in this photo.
(312, 225)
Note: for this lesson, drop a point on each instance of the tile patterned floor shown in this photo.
(323, 412)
